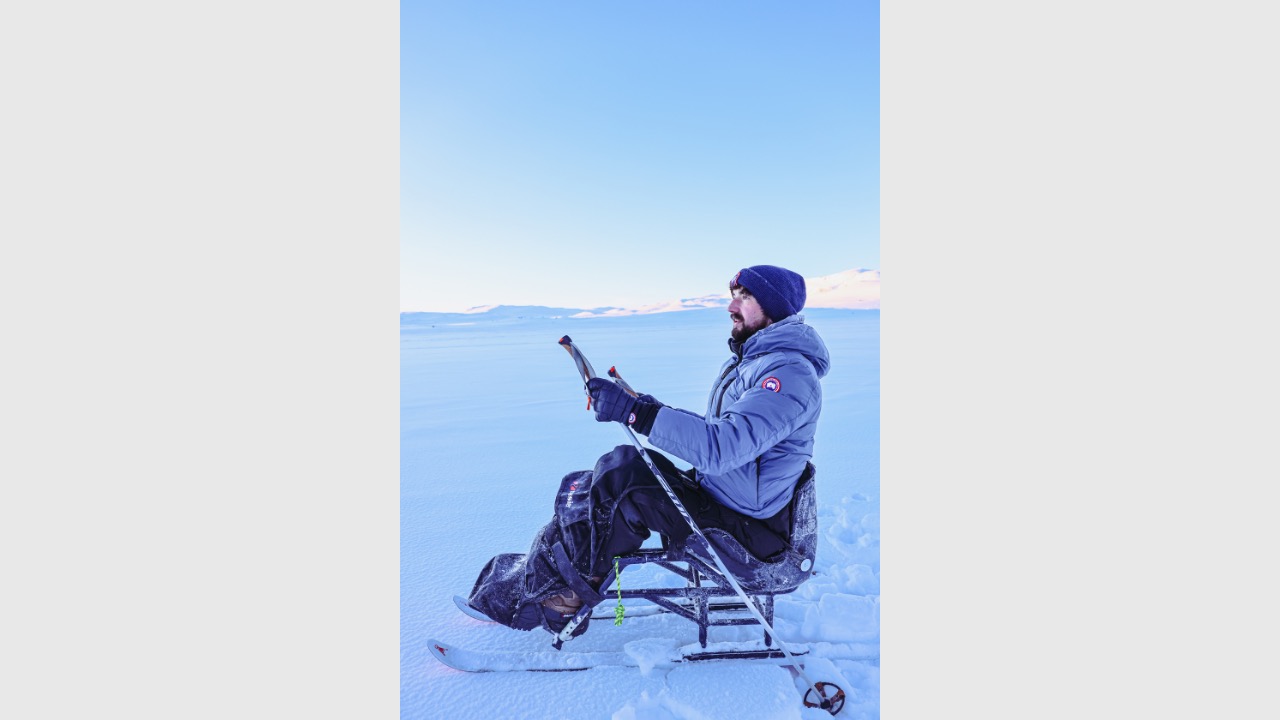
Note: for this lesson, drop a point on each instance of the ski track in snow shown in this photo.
(492, 416)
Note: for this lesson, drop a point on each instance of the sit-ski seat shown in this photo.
(781, 574)
(707, 599)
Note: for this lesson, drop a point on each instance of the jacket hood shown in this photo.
(792, 334)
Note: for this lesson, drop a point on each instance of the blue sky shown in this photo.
(583, 154)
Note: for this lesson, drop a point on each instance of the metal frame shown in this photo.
(695, 601)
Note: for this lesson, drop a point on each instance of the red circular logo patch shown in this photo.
(632, 419)
(772, 383)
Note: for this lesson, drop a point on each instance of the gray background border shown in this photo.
(199, 275)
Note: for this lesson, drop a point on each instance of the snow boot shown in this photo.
(567, 603)
(555, 619)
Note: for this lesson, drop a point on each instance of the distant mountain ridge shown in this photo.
(856, 289)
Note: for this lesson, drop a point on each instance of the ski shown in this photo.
(469, 611)
(644, 611)
(562, 661)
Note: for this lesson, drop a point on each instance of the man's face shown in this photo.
(746, 314)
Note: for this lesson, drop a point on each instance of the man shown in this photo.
(747, 452)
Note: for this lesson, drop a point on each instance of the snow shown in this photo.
(856, 289)
(650, 652)
(852, 289)
(714, 300)
(493, 416)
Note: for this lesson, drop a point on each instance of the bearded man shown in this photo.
(747, 450)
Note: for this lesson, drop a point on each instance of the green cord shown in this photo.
(618, 613)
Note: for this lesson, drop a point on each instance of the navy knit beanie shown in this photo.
(779, 291)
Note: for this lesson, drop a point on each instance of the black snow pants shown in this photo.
(627, 503)
(602, 513)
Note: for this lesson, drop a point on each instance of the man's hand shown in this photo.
(613, 404)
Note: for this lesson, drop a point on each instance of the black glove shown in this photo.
(613, 404)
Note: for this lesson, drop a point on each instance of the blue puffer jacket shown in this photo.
(757, 435)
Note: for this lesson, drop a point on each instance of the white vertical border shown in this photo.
(200, 387)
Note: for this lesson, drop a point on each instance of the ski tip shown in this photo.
(469, 611)
(439, 650)
(565, 340)
(443, 653)
(613, 371)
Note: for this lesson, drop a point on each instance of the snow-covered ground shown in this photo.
(493, 415)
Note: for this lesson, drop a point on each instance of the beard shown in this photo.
(740, 333)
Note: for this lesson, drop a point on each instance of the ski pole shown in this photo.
(584, 367)
(617, 377)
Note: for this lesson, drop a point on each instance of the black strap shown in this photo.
(572, 578)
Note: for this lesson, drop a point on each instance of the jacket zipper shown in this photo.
(725, 389)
